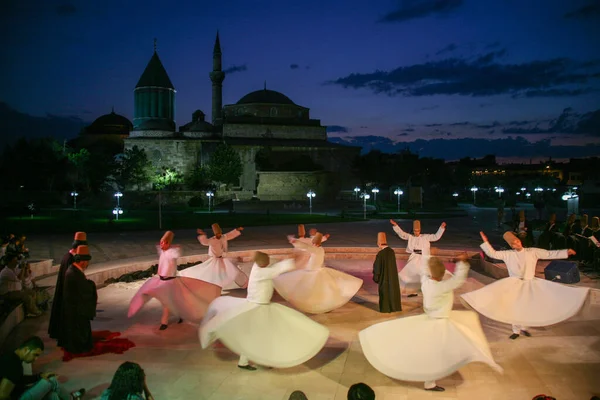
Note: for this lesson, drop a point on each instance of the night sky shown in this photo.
(404, 70)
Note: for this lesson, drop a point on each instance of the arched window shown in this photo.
(273, 111)
(156, 156)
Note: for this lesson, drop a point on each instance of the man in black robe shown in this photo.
(548, 238)
(79, 305)
(385, 274)
(55, 326)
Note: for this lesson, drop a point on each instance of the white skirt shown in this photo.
(219, 271)
(268, 334)
(421, 348)
(185, 297)
(317, 291)
(410, 275)
(534, 302)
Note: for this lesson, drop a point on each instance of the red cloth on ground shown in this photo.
(104, 342)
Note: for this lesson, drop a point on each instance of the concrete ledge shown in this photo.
(12, 320)
(42, 267)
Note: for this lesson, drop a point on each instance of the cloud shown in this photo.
(588, 11)
(420, 9)
(236, 68)
(448, 49)
(294, 66)
(66, 9)
(402, 134)
(567, 122)
(337, 128)
(478, 77)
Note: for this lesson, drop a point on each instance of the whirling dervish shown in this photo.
(432, 345)
(523, 300)
(265, 333)
(302, 259)
(218, 269)
(418, 246)
(316, 289)
(185, 297)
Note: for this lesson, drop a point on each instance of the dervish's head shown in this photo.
(436, 268)
(513, 241)
(261, 259)
(217, 231)
(417, 227)
(166, 240)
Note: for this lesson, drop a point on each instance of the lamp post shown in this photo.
(499, 190)
(474, 189)
(398, 193)
(454, 194)
(375, 191)
(356, 191)
(310, 196)
(74, 194)
(572, 199)
(365, 197)
(117, 211)
(210, 195)
(118, 195)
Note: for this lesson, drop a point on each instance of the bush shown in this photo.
(196, 201)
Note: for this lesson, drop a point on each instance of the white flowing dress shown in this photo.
(430, 346)
(522, 299)
(185, 297)
(302, 261)
(268, 334)
(410, 275)
(316, 289)
(217, 269)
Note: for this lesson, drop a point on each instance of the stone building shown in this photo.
(264, 124)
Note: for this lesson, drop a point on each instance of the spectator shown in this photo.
(298, 395)
(5, 241)
(12, 289)
(361, 391)
(128, 383)
(41, 295)
(14, 384)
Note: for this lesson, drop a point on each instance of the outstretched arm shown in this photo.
(303, 246)
(460, 276)
(437, 236)
(403, 235)
(489, 250)
(234, 233)
(553, 254)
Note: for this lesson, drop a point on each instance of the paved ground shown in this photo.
(561, 360)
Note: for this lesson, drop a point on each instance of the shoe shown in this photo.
(248, 367)
(78, 394)
(514, 336)
(180, 320)
(436, 389)
(163, 327)
(526, 333)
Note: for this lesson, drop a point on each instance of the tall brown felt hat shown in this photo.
(216, 229)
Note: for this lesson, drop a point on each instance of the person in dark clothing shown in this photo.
(79, 305)
(14, 384)
(548, 238)
(385, 274)
(55, 325)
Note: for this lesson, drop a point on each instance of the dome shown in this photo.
(265, 96)
(112, 123)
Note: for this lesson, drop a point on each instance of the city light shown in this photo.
(398, 193)
(375, 191)
(310, 196)
(117, 211)
(474, 189)
(499, 190)
(74, 194)
(365, 197)
(356, 191)
(210, 195)
(454, 194)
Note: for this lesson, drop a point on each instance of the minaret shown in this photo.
(217, 76)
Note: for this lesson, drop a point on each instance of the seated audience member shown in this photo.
(361, 391)
(41, 296)
(12, 289)
(523, 230)
(128, 383)
(14, 384)
(548, 238)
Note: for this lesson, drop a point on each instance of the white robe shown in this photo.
(269, 334)
(185, 297)
(430, 346)
(522, 299)
(217, 269)
(316, 289)
(411, 273)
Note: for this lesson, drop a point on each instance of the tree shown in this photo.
(135, 169)
(197, 179)
(225, 165)
(167, 179)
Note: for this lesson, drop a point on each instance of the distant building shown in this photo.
(296, 147)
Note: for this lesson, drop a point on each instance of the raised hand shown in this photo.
(483, 237)
(326, 235)
(571, 252)
(393, 222)
(443, 225)
(240, 228)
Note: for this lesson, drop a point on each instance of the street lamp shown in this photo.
(118, 195)
(74, 194)
(117, 211)
(375, 191)
(572, 200)
(474, 189)
(310, 196)
(398, 193)
(365, 197)
(454, 194)
(499, 190)
(356, 191)
(210, 195)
